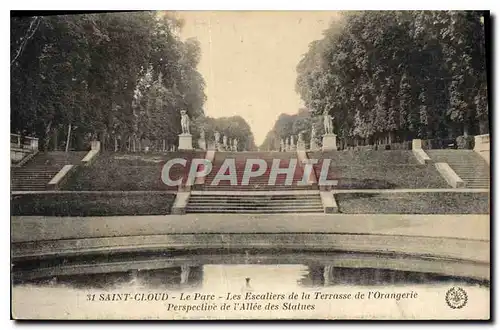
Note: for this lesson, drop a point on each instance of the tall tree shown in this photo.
(112, 76)
(387, 76)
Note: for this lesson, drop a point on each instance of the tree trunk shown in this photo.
(55, 138)
(103, 140)
(68, 139)
(484, 127)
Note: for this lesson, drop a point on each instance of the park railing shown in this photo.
(23, 142)
(406, 145)
(461, 142)
(22, 148)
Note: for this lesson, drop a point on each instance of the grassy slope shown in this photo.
(80, 204)
(414, 203)
(394, 169)
(127, 172)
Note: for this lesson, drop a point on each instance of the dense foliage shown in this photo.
(234, 127)
(389, 76)
(288, 125)
(116, 77)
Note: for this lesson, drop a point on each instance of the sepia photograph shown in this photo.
(250, 165)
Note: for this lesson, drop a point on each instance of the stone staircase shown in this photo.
(468, 165)
(38, 171)
(257, 196)
(287, 202)
(257, 183)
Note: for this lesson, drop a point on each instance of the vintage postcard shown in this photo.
(195, 165)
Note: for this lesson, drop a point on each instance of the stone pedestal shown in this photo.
(482, 146)
(185, 142)
(482, 142)
(202, 144)
(313, 146)
(329, 142)
(95, 145)
(416, 144)
(34, 144)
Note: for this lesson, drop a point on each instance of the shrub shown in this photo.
(93, 204)
(465, 142)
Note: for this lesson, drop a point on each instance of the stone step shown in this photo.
(256, 180)
(246, 210)
(27, 175)
(471, 167)
(252, 182)
(253, 200)
(475, 175)
(472, 172)
(256, 198)
(33, 172)
(472, 176)
(255, 211)
(29, 178)
(260, 187)
(30, 185)
(254, 204)
(261, 184)
(239, 174)
(32, 177)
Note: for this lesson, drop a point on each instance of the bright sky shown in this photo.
(249, 60)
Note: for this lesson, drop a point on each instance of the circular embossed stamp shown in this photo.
(456, 297)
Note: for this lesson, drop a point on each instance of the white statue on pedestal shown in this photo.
(300, 142)
(185, 138)
(202, 143)
(312, 143)
(235, 144)
(224, 141)
(185, 122)
(329, 139)
(327, 122)
(217, 138)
